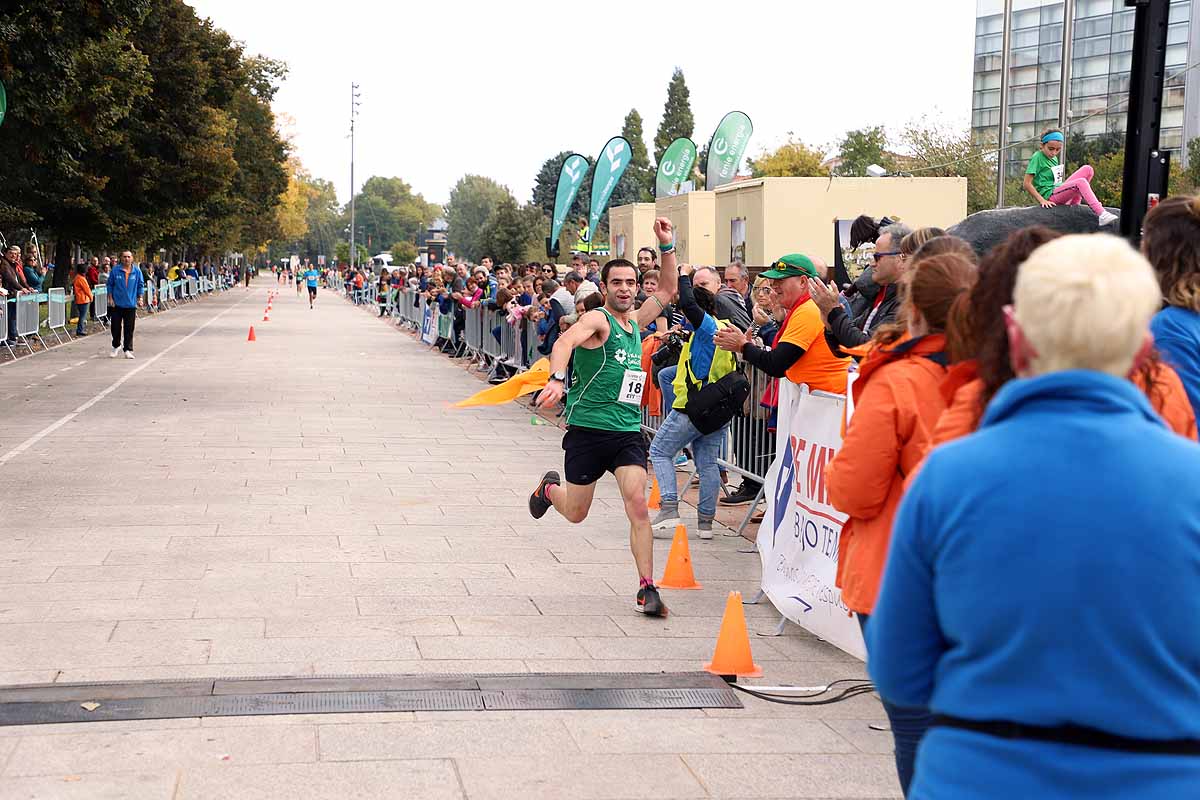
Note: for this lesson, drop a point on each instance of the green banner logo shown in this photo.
(675, 167)
(570, 178)
(610, 166)
(726, 148)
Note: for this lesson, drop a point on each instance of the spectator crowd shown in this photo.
(1019, 473)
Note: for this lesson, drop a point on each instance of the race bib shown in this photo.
(631, 387)
(1058, 171)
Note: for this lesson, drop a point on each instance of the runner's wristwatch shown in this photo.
(561, 377)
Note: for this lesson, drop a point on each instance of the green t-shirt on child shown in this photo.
(1047, 173)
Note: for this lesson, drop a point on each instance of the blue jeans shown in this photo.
(666, 382)
(81, 310)
(676, 433)
(908, 728)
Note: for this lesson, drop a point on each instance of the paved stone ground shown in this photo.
(308, 504)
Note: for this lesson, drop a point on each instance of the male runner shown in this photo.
(311, 278)
(604, 413)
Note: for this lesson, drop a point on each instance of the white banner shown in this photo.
(429, 328)
(798, 538)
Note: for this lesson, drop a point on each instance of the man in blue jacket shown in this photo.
(1040, 595)
(125, 286)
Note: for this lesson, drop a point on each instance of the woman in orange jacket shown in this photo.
(897, 403)
(83, 299)
(978, 349)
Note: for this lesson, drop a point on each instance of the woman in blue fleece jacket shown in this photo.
(1043, 584)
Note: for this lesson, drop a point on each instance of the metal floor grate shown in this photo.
(57, 703)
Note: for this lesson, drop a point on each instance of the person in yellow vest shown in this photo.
(584, 245)
(700, 363)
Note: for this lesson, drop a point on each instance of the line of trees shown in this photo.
(134, 123)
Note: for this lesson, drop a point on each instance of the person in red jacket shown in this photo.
(897, 403)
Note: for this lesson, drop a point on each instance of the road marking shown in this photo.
(49, 377)
(52, 427)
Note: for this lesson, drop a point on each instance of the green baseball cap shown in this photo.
(793, 265)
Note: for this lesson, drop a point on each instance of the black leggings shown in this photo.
(122, 318)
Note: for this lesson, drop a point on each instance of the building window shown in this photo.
(1177, 55)
(1024, 76)
(1027, 57)
(1051, 33)
(1048, 91)
(1171, 139)
(1089, 67)
(1173, 97)
(1086, 106)
(1022, 94)
(1027, 38)
(1123, 21)
(1092, 8)
(986, 117)
(1047, 111)
(1030, 18)
(992, 24)
(1178, 33)
(987, 80)
(989, 99)
(1052, 14)
(1050, 53)
(1171, 118)
(988, 63)
(1101, 26)
(1121, 62)
(1122, 42)
(1018, 114)
(1095, 46)
(1118, 84)
(1116, 123)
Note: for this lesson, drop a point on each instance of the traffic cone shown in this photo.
(266, 317)
(251, 337)
(678, 574)
(732, 656)
(655, 501)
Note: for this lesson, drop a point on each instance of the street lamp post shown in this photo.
(354, 95)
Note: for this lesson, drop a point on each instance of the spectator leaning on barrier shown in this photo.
(799, 351)
(12, 288)
(125, 286)
(1171, 241)
(978, 347)
(83, 299)
(33, 276)
(897, 403)
(1072, 496)
(700, 363)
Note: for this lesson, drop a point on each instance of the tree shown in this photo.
(677, 118)
(292, 213)
(472, 201)
(1108, 178)
(934, 151)
(387, 210)
(860, 149)
(1187, 181)
(510, 231)
(1080, 149)
(637, 184)
(404, 252)
(793, 159)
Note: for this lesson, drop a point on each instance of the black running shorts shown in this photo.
(312, 291)
(589, 453)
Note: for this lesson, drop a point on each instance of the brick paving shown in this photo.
(309, 504)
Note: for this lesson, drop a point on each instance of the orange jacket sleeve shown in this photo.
(861, 475)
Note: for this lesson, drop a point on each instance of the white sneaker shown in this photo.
(1107, 218)
(129, 354)
(116, 351)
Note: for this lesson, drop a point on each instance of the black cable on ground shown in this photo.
(860, 687)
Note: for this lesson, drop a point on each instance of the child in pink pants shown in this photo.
(1044, 180)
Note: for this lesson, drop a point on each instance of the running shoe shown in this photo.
(539, 504)
(681, 461)
(649, 603)
(667, 517)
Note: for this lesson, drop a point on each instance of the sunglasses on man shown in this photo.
(890, 253)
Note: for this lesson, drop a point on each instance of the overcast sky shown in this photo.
(451, 88)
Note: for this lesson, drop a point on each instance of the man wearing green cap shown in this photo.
(799, 351)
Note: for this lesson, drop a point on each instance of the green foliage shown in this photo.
(793, 159)
(342, 252)
(511, 231)
(860, 149)
(1082, 150)
(677, 115)
(1109, 178)
(404, 252)
(954, 154)
(1187, 181)
(387, 210)
(133, 123)
(637, 184)
(472, 201)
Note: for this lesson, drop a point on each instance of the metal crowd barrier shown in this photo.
(56, 313)
(28, 320)
(5, 302)
(100, 299)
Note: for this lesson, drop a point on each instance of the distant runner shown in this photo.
(311, 278)
(604, 411)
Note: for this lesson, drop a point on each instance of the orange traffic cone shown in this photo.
(266, 317)
(655, 501)
(251, 337)
(732, 656)
(678, 574)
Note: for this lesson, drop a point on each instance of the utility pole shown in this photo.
(354, 95)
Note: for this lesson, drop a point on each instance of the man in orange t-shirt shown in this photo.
(799, 352)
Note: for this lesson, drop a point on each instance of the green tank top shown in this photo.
(597, 381)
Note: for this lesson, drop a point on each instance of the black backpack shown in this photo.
(713, 405)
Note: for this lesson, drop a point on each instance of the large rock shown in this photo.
(986, 229)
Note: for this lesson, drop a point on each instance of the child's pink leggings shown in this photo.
(1076, 189)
